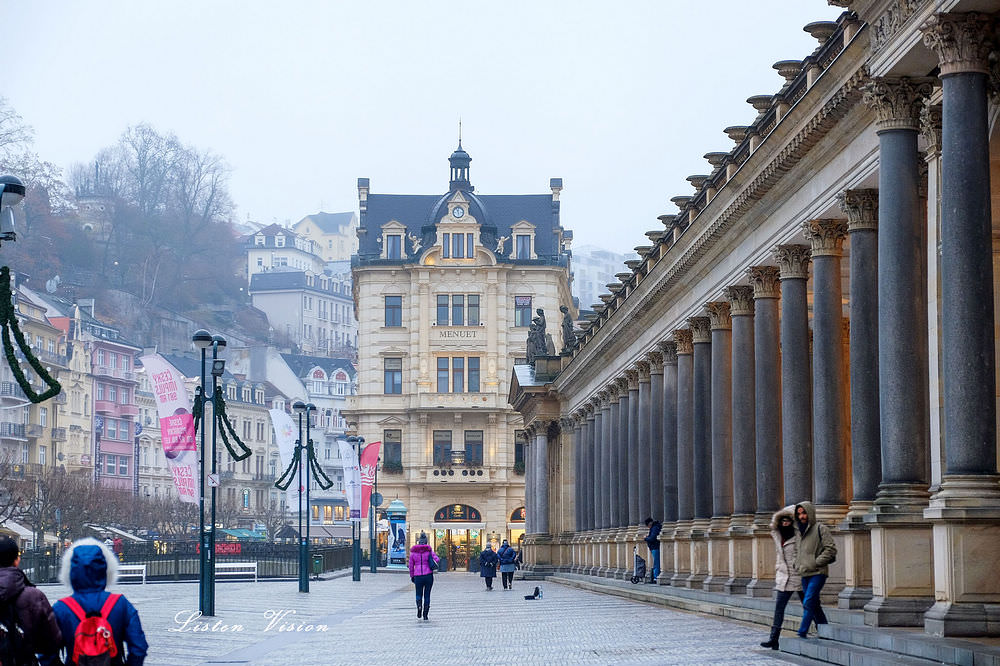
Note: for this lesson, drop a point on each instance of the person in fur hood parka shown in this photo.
(786, 578)
(88, 567)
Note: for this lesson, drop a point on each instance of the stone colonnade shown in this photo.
(744, 406)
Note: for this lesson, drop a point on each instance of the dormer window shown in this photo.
(258, 239)
(524, 240)
(523, 246)
(393, 246)
(279, 241)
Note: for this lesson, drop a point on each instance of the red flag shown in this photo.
(369, 458)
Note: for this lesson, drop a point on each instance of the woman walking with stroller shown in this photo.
(786, 579)
(508, 562)
(423, 563)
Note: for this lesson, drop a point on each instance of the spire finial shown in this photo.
(460, 132)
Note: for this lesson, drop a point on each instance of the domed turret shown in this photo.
(460, 162)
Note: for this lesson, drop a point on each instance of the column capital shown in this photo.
(622, 383)
(793, 261)
(632, 379)
(655, 359)
(962, 41)
(764, 280)
(588, 409)
(861, 207)
(701, 330)
(897, 101)
(531, 430)
(642, 367)
(719, 315)
(930, 127)
(826, 235)
(669, 350)
(601, 400)
(740, 299)
(684, 341)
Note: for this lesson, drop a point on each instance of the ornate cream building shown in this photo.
(816, 322)
(445, 289)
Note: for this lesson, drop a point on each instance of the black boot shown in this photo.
(772, 642)
(420, 610)
(426, 608)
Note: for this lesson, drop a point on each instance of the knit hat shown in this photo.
(422, 539)
(8, 551)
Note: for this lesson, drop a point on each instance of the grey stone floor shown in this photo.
(374, 622)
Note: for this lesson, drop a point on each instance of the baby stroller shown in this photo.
(639, 572)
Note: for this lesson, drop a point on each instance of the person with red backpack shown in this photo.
(97, 627)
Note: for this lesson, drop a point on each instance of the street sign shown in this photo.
(213, 480)
(377, 499)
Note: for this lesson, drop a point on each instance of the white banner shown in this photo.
(176, 425)
(285, 434)
(352, 478)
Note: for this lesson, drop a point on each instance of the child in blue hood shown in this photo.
(88, 567)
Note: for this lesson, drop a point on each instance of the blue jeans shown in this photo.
(811, 610)
(654, 554)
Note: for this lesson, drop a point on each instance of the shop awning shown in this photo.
(458, 526)
(114, 530)
(329, 531)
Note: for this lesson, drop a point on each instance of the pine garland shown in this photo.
(285, 480)
(219, 409)
(8, 322)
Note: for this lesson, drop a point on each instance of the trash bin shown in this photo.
(317, 565)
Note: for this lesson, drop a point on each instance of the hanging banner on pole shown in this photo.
(176, 425)
(352, 479)
(285, 434)
(369, 459)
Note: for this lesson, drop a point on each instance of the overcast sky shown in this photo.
(620, 99)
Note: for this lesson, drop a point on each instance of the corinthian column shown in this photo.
(966, 509)
(669, 434)
(901, 584)
(635, 452)
(654, 436)
(620, 426)
(829, 392)
(861, 207)
(796, 408)
(722, 444)
(685, 457)
(767, 420)
(645, 504)
(742, 417)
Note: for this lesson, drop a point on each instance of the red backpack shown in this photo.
(94, 643)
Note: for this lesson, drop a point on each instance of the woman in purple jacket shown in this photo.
(423, 563)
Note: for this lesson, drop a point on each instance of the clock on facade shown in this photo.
(457, 211)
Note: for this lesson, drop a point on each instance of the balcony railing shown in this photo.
(33, 430)
(50, 357)
(59, 434)
(118, 373)
(12, 390)
(8, 429)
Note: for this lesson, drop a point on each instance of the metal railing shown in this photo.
(177, 561)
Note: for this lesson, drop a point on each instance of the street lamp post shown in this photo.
(372, 547)
(305, 445)
(202, 339)
(357, 443)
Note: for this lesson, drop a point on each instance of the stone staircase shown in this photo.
(846, 640)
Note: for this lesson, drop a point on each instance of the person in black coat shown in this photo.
(488, 565)
(27, 604)
(653, 541)
(508, 562)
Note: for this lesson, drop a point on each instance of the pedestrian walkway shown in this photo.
(374, 622)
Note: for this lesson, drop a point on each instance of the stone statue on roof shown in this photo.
(500, 243)
(569, 338)
(415, 242)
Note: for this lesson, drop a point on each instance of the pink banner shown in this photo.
(369, 459)
(176, 425)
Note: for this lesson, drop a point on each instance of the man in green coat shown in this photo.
(816, 552)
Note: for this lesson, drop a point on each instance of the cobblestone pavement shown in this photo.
(374, 622)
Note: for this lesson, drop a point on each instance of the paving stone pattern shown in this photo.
(374, 622)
